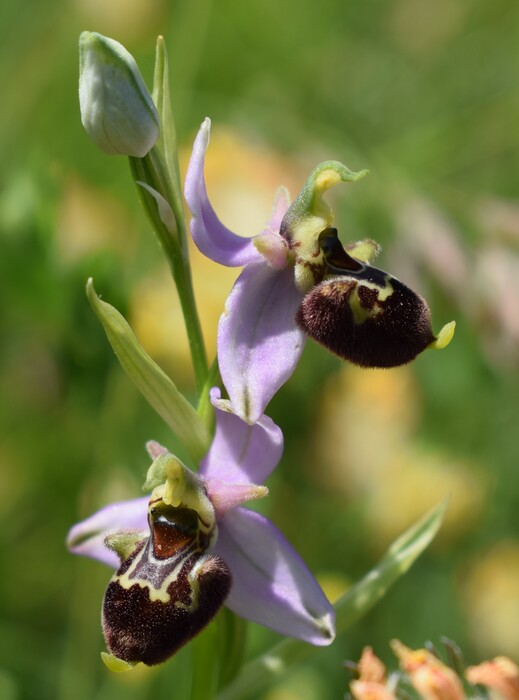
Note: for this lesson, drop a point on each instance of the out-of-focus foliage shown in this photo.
(422, 93)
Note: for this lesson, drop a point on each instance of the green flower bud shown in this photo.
(117, 110)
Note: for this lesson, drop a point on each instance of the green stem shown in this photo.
(151, 170)
(205, 664)
(232, 636)
(205, 408)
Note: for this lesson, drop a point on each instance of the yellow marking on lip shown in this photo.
(126, 582)
(360, 314)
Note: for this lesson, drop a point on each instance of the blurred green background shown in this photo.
(422, 93)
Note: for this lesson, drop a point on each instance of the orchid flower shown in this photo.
(299, 280)
(195, 536)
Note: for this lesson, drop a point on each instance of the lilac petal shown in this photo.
(259, 343)
(87, 537)
(271, 584)
(155, 449)
(281, 204)
(211, 237)
(241, 453)
(225, 496)
(272, 246)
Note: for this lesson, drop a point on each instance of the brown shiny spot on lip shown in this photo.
(172, 529)
(168, 540)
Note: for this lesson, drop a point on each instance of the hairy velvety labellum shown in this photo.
(350, 319)
(363, 314)
(165, 592)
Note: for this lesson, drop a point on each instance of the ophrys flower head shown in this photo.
(194, 542)
(300, 280)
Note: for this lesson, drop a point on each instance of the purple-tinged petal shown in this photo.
(280, 208)
(87, 537)
(271, 584)
(272, 246)
(155, 449)
(259, 343)
(241, 453)
(225, 496)
(211, 237)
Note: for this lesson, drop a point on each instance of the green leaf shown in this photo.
(164, 211)
(167, 143)
(360, 598)
(156, 387)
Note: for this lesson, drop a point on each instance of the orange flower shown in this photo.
(372, 683)
(501, 674)
(431, 678)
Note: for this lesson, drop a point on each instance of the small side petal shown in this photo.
(280, 208)
(225, 496)
(272, 246)
(211, 237)
(87, 537)
(271, 584)
(241, 453)
(259, 343)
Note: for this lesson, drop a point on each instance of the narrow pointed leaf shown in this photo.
(399, 557)
(157, 198)
(162, 98)
(167, 143)
(353, 605)
(156, 387)
(164, 211)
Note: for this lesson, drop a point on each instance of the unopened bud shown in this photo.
(117, 110)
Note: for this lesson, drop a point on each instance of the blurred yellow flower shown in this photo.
(90, 220)
(126, 19)
(365, 443)
(490, 593)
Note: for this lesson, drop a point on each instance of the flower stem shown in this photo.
(232, 635)
(205, 664)
(151, 170)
